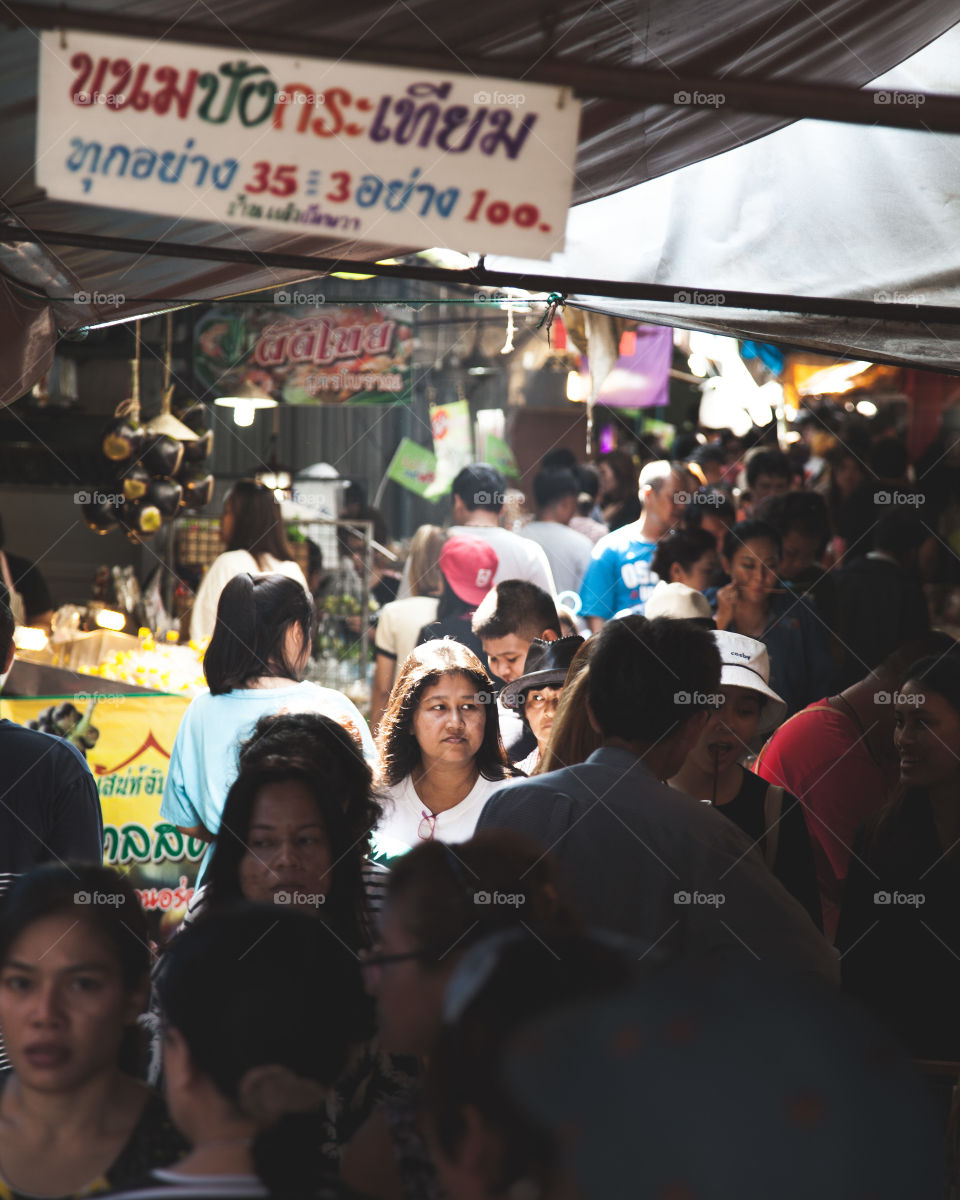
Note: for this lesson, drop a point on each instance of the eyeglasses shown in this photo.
(535, 701)
(427, 829)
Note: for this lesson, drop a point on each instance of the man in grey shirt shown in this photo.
(641, 858)
(567, 551)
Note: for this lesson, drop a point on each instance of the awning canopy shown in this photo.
(816, 210)
(823, 42)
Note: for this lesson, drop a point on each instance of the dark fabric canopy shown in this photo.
(822, 41)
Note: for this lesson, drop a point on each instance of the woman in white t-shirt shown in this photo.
(440, 747)
(252, 530)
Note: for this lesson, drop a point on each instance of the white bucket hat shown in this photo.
(746, 664)
(678, 601)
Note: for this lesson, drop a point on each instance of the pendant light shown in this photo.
(245, 401)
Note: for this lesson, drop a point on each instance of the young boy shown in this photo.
(508, 619)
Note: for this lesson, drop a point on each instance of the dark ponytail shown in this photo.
(249, 638)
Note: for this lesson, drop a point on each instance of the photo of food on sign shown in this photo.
(307, 352)
(129, 761)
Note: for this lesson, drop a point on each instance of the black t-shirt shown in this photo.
(819, 586)
(49, 807)
(794, 865)
(49, 804)
(855, 516)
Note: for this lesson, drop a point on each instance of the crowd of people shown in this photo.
(648, 887)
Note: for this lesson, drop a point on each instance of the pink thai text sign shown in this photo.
(351, 152)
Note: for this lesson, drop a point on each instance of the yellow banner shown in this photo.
(129, 763)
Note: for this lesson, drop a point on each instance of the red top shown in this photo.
(820, 756)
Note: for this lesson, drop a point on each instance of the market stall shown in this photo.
(178, 246)
(133, 729)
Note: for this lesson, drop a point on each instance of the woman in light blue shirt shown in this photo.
(254, 667)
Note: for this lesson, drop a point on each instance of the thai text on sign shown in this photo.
(304, 351)
(383, 154)
(129, 764)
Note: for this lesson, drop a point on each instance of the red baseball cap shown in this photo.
(469, 565)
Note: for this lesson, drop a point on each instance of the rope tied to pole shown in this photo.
(554, 301)
(130, 407)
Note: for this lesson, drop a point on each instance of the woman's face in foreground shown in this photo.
(64, 1006)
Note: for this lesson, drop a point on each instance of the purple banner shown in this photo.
(641, 378)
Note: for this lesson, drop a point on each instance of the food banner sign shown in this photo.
(353, 152)
(413, 466)
(129, 763)
(452, 443)
(303, 351)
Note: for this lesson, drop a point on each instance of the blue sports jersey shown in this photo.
(619, 574)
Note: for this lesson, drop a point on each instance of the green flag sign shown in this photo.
(413, 467)
(498, 454)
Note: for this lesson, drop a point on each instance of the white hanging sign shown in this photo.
(351, 152)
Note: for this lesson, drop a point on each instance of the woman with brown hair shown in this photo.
(440, 747)
(399, 623)
(252, 530)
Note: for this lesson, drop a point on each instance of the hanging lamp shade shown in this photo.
(245, 402)
(169, 425)
(165, 423)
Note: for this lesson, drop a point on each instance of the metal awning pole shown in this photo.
(635, 87)
(481, 276)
